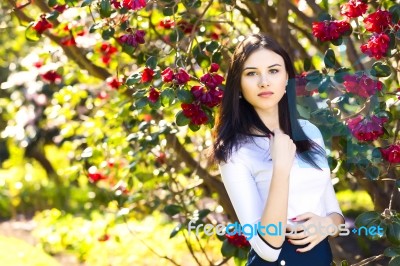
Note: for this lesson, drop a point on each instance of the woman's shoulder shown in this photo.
(248, 147)
(311, 130)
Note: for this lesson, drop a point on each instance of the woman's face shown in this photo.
(263, 80)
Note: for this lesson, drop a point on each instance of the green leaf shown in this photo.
(140, 103)
(372, 172)
(203, 60)
(94, 27)
(176, 35)
(314, 75)
(337, 42)
(133, 79)
(392, 252)
(151, 62)
(304, 111)
(329, 58)
(340, 74)
(181, 119)
(380, 70)
(172, 209)
(324, 16)
(307, 64)
(105, 8)
(395, 10)
(31, 34)
(107, 33)
(376, 153)
(185, 96)
(176, 230)
(167, 97)
(52, 15)
(216, 57)
(241, 253)
(86, 3)
(227, 249)
(344, 263)
(170, 10)
(397, 34)
(212, 46)
(394, 261)
(203, 213)
(52, 3)
(194, 127)
(365, 218)
(393, 232)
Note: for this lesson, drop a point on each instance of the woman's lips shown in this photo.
(265, 94)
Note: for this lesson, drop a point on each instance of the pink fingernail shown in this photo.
(293, 219)
(297, 251)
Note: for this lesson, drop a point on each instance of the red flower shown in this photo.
(237, 240)
(161, 158)
(212, 80)
(391, 153)
(214, 36)
(102, 95)
(362, 85)
(182, 77)
(104, 237)
(301, 83)
(38, 64)
(195, 113)
(167, 75)
(154, 94)
(377, 45)
(330, 30)
(134, 4)
(68, 41)
(185, 26)
(116, 4)
(42, 25)
(353, 9)
(378, 21)
(95, 175)
(214, 67)
(368, 128)
(133, 39)
(60, 8)
(51, 76)
(147, 75)
(114, 83)
(208, 97)
(107, 48)
(167, 23)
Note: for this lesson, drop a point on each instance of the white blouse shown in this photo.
(247, 178)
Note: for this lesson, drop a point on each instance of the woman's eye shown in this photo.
(252, 73)
(273, 71)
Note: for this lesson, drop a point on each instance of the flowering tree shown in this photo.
(131, 88)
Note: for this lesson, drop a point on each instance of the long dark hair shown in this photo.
(238, 119)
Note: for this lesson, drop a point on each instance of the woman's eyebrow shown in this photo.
(256, 68)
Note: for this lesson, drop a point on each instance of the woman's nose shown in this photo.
(263, 82)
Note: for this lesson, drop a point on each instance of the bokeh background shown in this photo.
(106, 116)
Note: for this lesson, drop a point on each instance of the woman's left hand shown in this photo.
(317, 230)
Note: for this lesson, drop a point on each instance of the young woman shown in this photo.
(274, 165)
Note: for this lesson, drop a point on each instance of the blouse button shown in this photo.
(283, 262)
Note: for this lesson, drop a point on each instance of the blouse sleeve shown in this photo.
(247, 203)
(330, 201)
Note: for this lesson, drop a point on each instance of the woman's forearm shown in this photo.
(275, 210)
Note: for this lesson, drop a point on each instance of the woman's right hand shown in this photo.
(282, 149)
